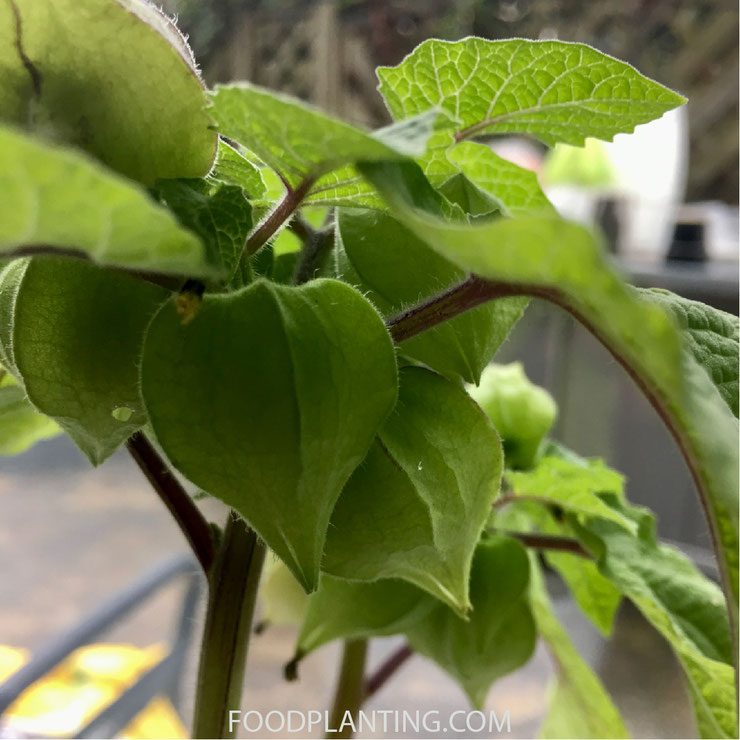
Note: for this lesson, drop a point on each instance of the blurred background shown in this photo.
(666, 200)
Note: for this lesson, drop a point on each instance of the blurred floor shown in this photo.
(70, 536)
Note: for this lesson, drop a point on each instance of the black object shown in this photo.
(161, 680)
(688, 243)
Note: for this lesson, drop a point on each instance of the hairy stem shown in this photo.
(377, 680)
(476, 291)
(187, 515)
(315, 250)
(349, 692)
(550, 542)
(282, 212)
(223, 656)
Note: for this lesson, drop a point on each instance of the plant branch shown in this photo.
(377, 680)
(476, 291)
(233, 593)
(447, 305)
(187, 515)
(550, 542)
(349, 692)
(281, 213)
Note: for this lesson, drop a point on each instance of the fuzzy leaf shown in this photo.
(562, 262)
(299, 142)
(711, 336)
(234, 168)
(553, 90)
(60, 198)
(416, 507)
(103, 70)
(345, 610)
(76, 336)
(395, 269)
(684, 606)
(268, 401)
(579, 705)
(220, 215)
(498, 637)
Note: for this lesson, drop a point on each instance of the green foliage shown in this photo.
(562, 262)
(342, 609)
(416, 506)
(381, 257)
(62, 199)
(221, 216)
(522, 412)
(372, 485)
(277, 430)
(578, 705)
(711, 337)
(686, 608)
(301, 143)
(499, 635)
(21, 426)
(75, 339)
(87, 80)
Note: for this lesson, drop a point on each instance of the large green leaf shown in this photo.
(499, 635)
(554, 90)
(394, 268)
(21, 426)
(76, 335)
(578, 705)
(114, 78)
(684, 606)
(57, 198)
(710, 335)
(562, 262)
(416, 507)
(220, 215)
(267, 400)
(299, 142)
(344, 610)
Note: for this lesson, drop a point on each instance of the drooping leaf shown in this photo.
(220, 216)
(595, 595)
(345, 187)
(267, 400)
(499, 635)
(60, 198)
(572, 488)
(21, 426)
(553, 90)
(233, 168)
(522, 412)
(299, 142)
(416, 506)
(94, 74)
(76, 335)
(578, 705)
(711, 336)
(561, 262)
(345, 610)
(395, 269)
(684, 606)
(514, 190)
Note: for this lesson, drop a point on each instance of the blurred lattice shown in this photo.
(326, 52)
